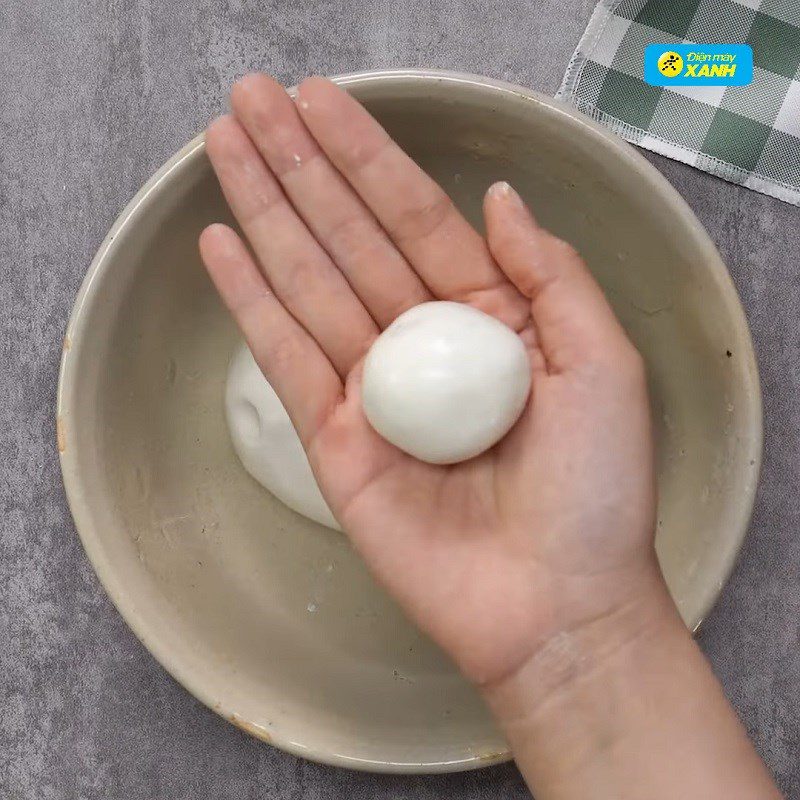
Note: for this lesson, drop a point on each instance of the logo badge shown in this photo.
(698, 64)
(670, 64)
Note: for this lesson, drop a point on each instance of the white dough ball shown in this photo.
(266, 442)
(444, 382)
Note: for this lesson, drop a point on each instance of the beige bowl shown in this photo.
(271, 620)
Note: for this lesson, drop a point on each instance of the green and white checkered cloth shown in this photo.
(746, 134)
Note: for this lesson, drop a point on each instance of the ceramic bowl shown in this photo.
(273, 621)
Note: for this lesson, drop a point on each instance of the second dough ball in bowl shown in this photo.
(266, 442)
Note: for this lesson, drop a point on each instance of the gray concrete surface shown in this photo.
(94, 95)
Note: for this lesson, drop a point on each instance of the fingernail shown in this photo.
(301, 102)
(505, 191)
(246, 79)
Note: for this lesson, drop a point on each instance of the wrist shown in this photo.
(626, 706)
(570, 659)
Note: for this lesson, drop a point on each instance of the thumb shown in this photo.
(574, 322)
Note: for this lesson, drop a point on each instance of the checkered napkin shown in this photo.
(749, 135)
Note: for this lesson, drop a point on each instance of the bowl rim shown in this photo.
(73, 478)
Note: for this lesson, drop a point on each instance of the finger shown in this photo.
(573, 319)
(293, 363)
(333, 212)
(298, 270)
(444, 249)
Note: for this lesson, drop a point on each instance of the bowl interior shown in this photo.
(273, 620)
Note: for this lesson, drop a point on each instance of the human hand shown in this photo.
(548, 532)
(533, 564)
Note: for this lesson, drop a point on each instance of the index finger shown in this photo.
(442, 247)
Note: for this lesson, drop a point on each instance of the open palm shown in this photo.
(545, 532)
